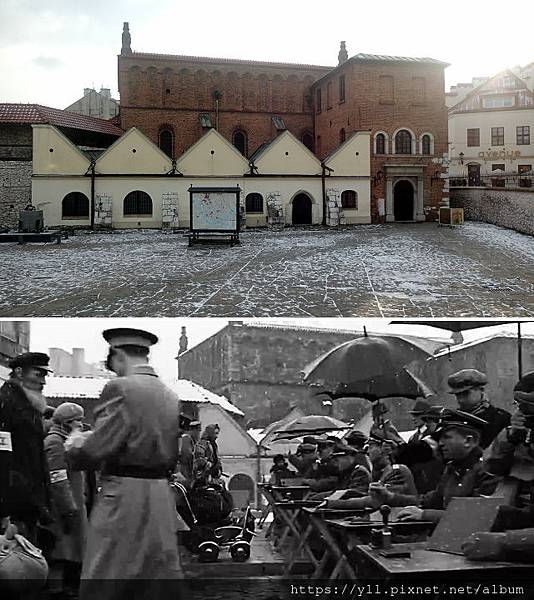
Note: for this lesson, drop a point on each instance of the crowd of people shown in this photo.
(81, 504)
(472, 450)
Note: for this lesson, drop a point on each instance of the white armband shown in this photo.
(5, 441)
(59, 475)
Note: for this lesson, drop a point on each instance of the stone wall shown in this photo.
(15, 190)
(504, 207)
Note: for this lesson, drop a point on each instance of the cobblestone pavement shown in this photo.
(422, 270)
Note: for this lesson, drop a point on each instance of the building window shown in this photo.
(318, 100)
(349, 199)
(75, 206)
(342, 88)
(525, 170)
(403, 142)
(473, 137)
(522, 135)
(425, 144)
(498, 181)
(329, 95)
(137, 203)
(497, 136)
(254, 203)
(385, 86)
(505, 102)
(166, 141)
(380, 143)
(342, 135)
(239, 140)
(205, 121)
(278, 122)
(307, 140)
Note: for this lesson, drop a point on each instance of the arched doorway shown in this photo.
(403, 201)
(302, 210)
(241, 487)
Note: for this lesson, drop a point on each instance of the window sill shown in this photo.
(138, 216)
(255, 214)
(81, 218)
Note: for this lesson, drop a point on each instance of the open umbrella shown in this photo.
(459, 326)
(310, 425)
(380, 361)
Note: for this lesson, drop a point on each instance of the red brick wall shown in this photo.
(367, 108)
(158, 91)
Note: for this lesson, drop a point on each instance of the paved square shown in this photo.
(422, 270)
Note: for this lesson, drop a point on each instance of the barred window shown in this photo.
(473, 137)
(239, 140)
(497, 136)
(380, 144)
(349, 199)
(403, 142)
(137, 203)
(523, 135)
(425, 144)
(254, 203)
(75, 205)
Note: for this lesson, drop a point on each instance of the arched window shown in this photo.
(137, 203)
(425, 144)
(403, 142)
(75, 205)
(166, 141)
(349, 199)
(342, 135)
(239, 140)
(380, 143)
(307, 140)
(254, 203)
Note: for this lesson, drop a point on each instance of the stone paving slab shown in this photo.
(395, 270)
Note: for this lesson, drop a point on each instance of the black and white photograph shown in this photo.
(266, 300)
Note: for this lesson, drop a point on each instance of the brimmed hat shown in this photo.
(524, 389)
(432, 414)
(326, 443)
(380, 437)
(36, 360)
(125, 336)
(306, 447)
(421, 406)
(356, 439)
(458, 419)
(466, 379)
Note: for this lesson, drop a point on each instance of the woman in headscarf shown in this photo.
(207, 466)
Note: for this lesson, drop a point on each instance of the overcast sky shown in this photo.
(50, 51)
(87, 333)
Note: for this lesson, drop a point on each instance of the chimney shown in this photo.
(343, 54)
(126, 40)
(183, 342)
(87, 91)
(78, 362)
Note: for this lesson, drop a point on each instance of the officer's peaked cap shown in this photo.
(420, 407)
(466, 379)
(451, 418)
(37, 360)
(123, 336)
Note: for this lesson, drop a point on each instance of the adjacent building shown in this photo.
(491, 135)
(14, 339)
(95, 104)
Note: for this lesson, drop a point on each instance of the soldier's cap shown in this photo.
(420, 407)
(67, 411)
(432, 414)
(306, 447)
(125, 336)
(326, 443)
(466, 379)
(356, 438)
(309, 439)
(451, 418)
(36, 360)
(524, 389)
(380, 437)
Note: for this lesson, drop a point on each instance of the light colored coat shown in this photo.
(132, 533)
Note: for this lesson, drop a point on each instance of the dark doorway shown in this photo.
(403, 201)
(302, 210)
(473, 175)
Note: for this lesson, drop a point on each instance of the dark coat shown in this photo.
(497, 419)
(24, 481)
(324, 475)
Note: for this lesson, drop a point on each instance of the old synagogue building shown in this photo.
(362, 142)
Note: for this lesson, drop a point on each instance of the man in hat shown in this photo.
(512, 456)
(458, 435)
(468, 387)
(324, 474)
(24, 481)
(187, 445)
(280, 470)
(304, 458)
(420, 408)
(68, 489)
(132, 530)
(384, 473)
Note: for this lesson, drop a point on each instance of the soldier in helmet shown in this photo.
(67, 487)
(468, 387)
(24, 481)
(132, 530)
(512, 456)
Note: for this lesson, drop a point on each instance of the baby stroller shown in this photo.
(214, 527)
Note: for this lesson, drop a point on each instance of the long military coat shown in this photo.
(132, 531)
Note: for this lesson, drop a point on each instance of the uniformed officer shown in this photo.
(512, 456)
(132, 530)
(324, 474)
(468, 387)
(458, 435)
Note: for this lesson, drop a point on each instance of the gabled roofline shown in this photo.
(212, 132)
(352, 135)
(124, 136)
(270, 145)
(65, 139)
(241, 430)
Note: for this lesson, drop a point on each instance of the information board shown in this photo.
(215, 210)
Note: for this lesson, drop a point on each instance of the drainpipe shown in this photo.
(324, 169)
(93, 163)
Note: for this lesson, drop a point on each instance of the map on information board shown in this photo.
(215, 211)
